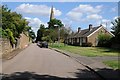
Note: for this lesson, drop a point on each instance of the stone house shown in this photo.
(87, 35)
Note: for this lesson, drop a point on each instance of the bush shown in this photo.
(104, 40)
(88, 44)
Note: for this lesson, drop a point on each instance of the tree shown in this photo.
(53, 22)
(12, 24)
(116, 30)
(65, 32)
(40, 33)
(104, 40)
(116, 26)
(50, 34)
(31, 34)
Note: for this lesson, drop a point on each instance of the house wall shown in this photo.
(94, 37)
(76, 41)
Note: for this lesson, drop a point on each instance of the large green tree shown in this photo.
(55, 31)
(13, 24)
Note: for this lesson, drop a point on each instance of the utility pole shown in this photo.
(58, 34)
(106, 25)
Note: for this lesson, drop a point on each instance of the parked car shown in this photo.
(43, 44)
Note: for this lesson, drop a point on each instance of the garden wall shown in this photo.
(5, 46)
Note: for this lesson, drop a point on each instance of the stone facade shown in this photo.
(94, 37)
(87, 35)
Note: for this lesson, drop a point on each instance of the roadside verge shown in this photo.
(102, 71)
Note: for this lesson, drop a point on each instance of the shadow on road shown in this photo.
(27, 76)
(107, 74)
(103, 74)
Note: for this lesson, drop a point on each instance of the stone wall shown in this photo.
(24, 40)
(5, 46)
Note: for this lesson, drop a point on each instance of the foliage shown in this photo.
(51, 33)
(40, 33)
(32, 34)
(116, 26)
(47, 38)
(65, 32)
(55, 23)
(104, 40)
(116, 30)
(12, 24)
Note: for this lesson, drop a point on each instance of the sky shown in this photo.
(72, 14)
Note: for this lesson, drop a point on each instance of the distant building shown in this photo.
(52, 13)
(51, 16)
(87, 35)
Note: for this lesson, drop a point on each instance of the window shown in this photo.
(70, 39)
(77, 40)
(84, 40)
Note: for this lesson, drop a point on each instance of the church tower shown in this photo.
(52, 14)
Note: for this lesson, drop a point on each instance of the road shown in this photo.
(45, 61)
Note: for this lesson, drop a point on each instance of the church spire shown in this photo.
(52, 13)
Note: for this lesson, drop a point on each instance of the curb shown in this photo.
(96, 73)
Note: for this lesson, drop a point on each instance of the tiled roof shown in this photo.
(84, 33)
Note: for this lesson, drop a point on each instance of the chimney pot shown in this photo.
(79, 29)
(90, 27)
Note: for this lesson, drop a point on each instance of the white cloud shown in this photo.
(82, 10)
(67, 21)
(88, 9)
(94, 17)
(76, 16)
(35, 23)
(106, 23)
(41, 10)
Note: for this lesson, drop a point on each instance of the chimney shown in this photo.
(101, 25)
(90, 27)
(79, 29)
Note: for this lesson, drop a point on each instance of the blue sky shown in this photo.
(72, 14)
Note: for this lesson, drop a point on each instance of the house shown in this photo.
(87, 35)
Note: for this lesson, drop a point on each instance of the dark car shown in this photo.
(43, 44)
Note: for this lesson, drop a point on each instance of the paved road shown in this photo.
(44, 61)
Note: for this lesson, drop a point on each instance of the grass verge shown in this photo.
(86, 51)
(113, 63)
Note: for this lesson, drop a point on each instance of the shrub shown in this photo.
(88, 44)
(104, 40)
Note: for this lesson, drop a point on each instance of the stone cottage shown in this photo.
(87, 35)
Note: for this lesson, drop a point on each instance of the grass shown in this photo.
(114, 64)
(86, 51)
